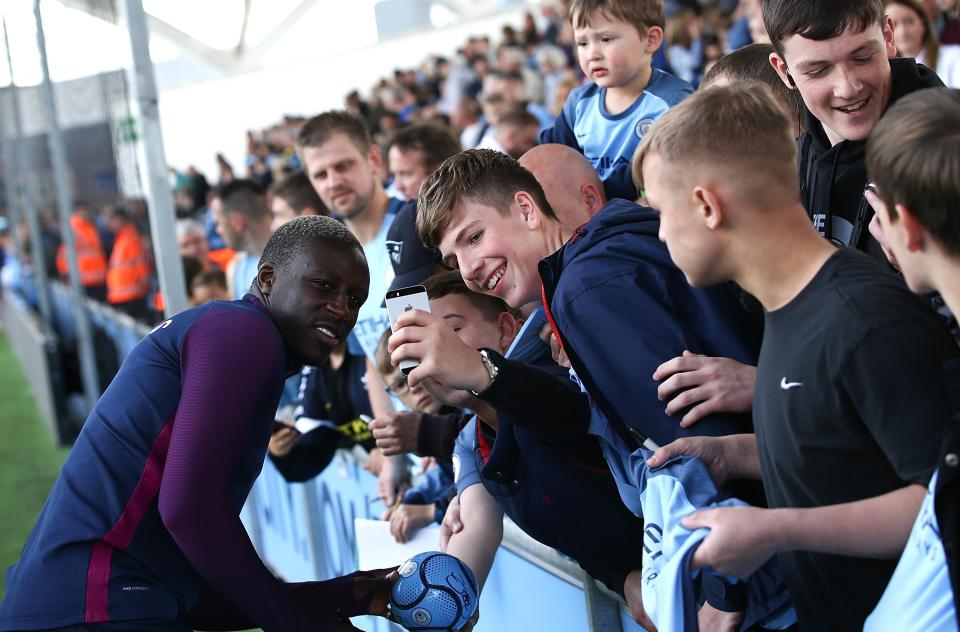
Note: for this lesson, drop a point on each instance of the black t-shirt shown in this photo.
(850, 404)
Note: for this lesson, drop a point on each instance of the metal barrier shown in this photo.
(35, 347)
(46, 351)
(305, 532)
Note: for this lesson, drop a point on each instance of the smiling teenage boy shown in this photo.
(839, 55)
(846, 430)
(607, 118)
(490, 218)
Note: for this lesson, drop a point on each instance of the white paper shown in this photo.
(376, 547)
(305, 424)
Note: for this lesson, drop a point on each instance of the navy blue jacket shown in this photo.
(545, 487)
(621, 308)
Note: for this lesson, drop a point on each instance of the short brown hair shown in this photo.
(818, 19)
(741, 127)
(296, 190)
(450, 282)
(752, 63)
(435, 141)
(245, 197)
(642, 14)
(484, 176)
(323, 127)
(912, 155)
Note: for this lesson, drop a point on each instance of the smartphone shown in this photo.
(403, 300)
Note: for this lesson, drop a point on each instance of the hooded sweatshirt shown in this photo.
(832, 177)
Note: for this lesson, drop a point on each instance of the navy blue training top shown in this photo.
(143, 521)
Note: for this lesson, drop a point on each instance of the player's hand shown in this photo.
(710, 619)
(396, 433)
(709, 385)
(442, 355)
(451, 523)
(711, 450)
(282, 441)
(394, 479)
(408, 519)
(559, 355)
(741, 539)
(371, 590)
(633, 592)
(427, 463)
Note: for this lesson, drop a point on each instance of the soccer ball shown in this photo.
(435, 591)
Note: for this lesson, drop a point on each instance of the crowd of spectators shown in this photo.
(772, 335)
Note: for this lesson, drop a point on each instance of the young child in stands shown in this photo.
(607, 118)
(477, 320)
(425, 502)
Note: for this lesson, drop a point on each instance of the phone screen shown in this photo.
(403, 300)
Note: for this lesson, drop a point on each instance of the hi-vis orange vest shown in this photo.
(90, 258)
(128, 277)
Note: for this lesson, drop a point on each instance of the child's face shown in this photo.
(416, 399)
(468, 321)
(611, 53)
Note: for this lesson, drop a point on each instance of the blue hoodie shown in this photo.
(620, 308)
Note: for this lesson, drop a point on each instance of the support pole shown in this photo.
(58, 160)
(9, 185)
(22, 176)
(153, 162)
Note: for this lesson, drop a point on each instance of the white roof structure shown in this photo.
(225, 66)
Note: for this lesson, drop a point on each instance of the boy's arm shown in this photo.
(228, 368)
(727, 458)
(556, 411)
(393, 477)
(741, 539)
(477, 542)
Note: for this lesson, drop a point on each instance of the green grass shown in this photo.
(29, 460)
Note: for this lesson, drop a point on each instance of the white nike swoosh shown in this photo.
(785, 385)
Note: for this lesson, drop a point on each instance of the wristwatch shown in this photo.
(492, 370)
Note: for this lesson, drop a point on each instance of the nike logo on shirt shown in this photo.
(785, 385)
